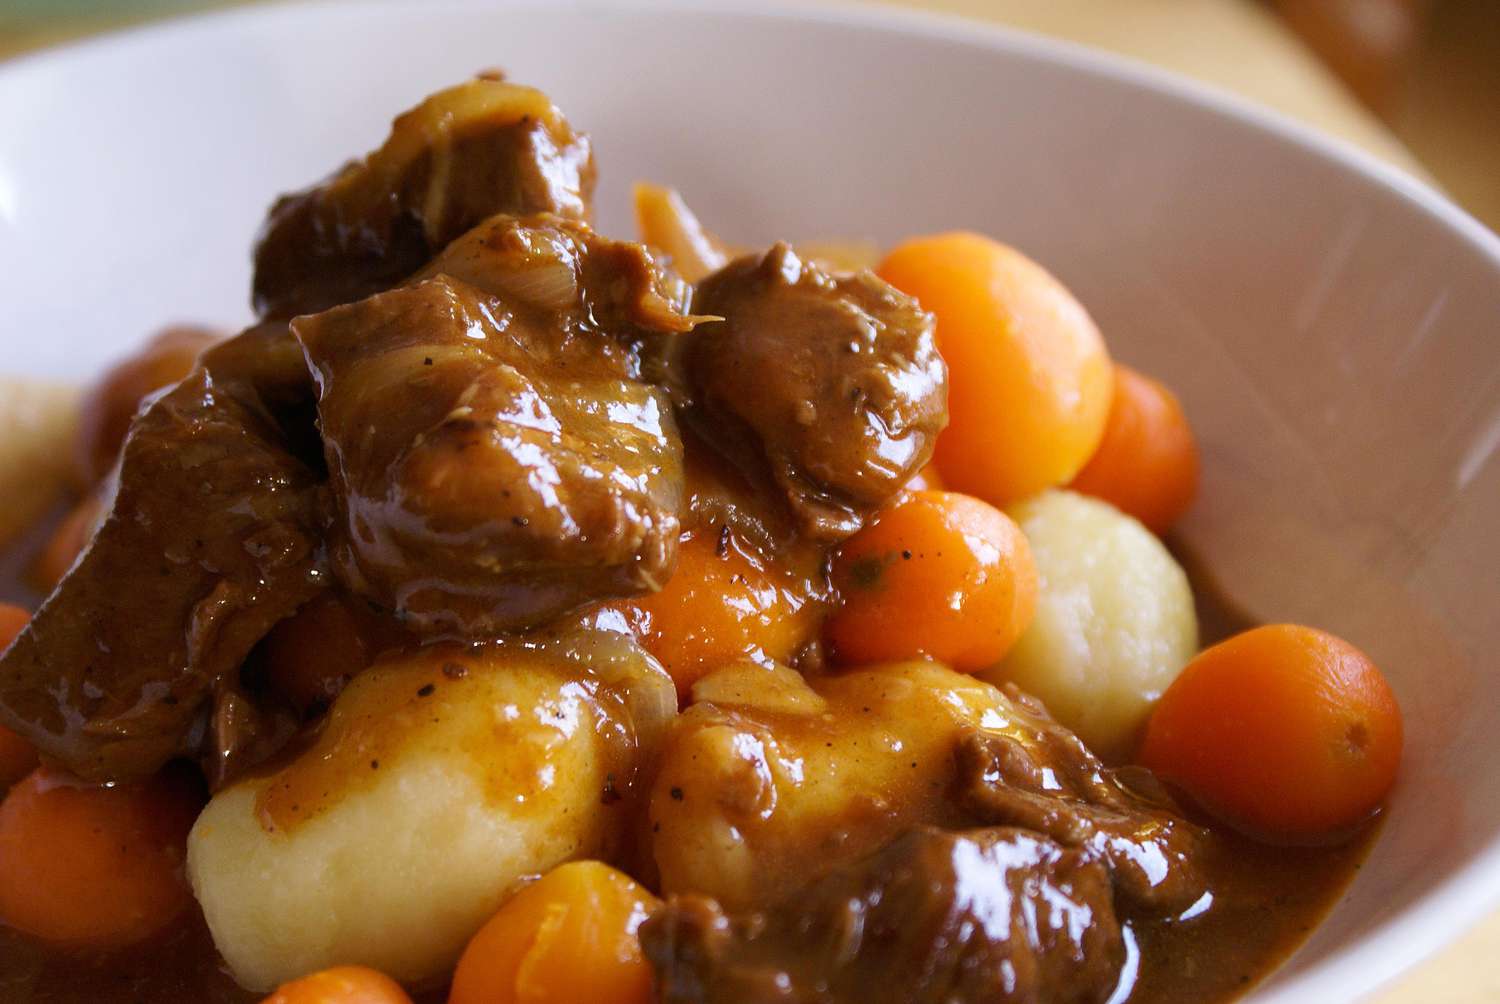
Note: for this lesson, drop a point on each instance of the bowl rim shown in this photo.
(1450, 907)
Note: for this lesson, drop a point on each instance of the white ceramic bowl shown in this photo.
(1331, 324)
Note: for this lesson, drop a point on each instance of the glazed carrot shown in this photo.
(341, 985)
(721, 604)
(12, 620)
(99, 867)
(568, 937)
(1284, 731)
(1029, 380)
(942, 575)
(17, 756)
(310, 656)
(1147, 464)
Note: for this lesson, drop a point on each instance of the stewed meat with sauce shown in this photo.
(831, 386)
(496, 458)
(934, 917)
(466, 153)
(219, 527)
(214, 534)
(797, 842)
(398, 568)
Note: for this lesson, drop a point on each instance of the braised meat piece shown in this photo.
(767, 776)
(496, 459)
(1048, 782)
(214, 534)
(550, 263)
(462, 155)
(767, 779)
(978, 917)
(832, 386)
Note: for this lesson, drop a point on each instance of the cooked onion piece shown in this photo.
(441, 779)
(666, 223)
(1114, 622)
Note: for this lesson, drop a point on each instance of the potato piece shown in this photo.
(770, 781)
(440, 779)
(767, 778)
(1114, 623)
(40, 420)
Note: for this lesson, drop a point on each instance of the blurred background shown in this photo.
(1415, 81)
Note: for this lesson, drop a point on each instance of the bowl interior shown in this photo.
(1329, 326)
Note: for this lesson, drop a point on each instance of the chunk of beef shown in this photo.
(1049, 783)
(979, 917)
(566, 274)
(213, 534)
(768, 778)
(755, 793)
(832, 386)
(495, 457)
(462, 155)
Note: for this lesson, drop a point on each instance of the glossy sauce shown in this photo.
(377, 722)
(1264, 900)
(1267, 900)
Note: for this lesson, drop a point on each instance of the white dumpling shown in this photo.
(767, 776)
(1114, 623)
(439, 781)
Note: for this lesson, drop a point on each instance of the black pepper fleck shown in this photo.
(676, 794)
(426, 690)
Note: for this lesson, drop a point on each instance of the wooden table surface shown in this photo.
(1231, 44)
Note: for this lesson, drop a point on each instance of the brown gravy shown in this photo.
(1265, 902)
